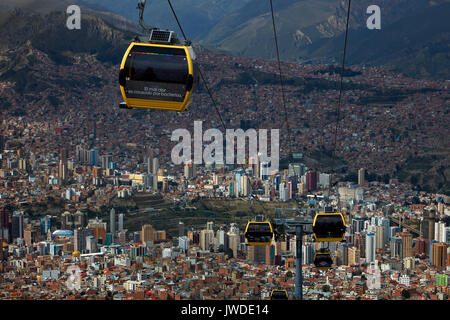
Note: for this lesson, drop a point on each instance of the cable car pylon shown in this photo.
(301, 225)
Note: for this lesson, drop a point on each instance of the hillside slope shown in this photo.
(414, 33)
(11, 8)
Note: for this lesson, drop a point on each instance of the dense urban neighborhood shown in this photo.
(93, 207)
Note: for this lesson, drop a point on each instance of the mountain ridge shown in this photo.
(309, 31)
(319, 37)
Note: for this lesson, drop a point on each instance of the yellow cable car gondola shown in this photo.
(329, 227)
(158, 76)
(279, 294)
(158, 71)
(323, 260)
(259, 233)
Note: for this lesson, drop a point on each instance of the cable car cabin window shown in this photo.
(279, 295)
(323, 261)
(259, 228)
(156, 73)
(329, 226)
(258, 233)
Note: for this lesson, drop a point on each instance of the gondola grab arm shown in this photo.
(141, 7)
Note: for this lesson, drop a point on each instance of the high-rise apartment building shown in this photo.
(257, 254)
(353, 256)
(264, 172)
(396, 247)
(2, 143)
(311, 181)
(79, 238)
(234, 239)
(370, 248)
(155, 166)
(112, 223)
(407, 248)
(427, 225)
(439, 231)
(106, 160)
(17, 226)
(120, 226)
(379, 232)
(181, 229)
(386, 223)
(147, 233)
(5, 226)
(357, 224)
(439, 255)
(359, 241)
(206, 239)
(361, 176)
(98, 228)
(183, 243)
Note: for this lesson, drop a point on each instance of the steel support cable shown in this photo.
(199, 69)
(341, 81)
(338, 108)
(281, 79)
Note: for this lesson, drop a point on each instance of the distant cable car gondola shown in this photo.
(329, 226)
(258, 233)
(323, 260)
(279, 294)
(158, 71)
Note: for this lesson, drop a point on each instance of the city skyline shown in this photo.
(300, 176)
